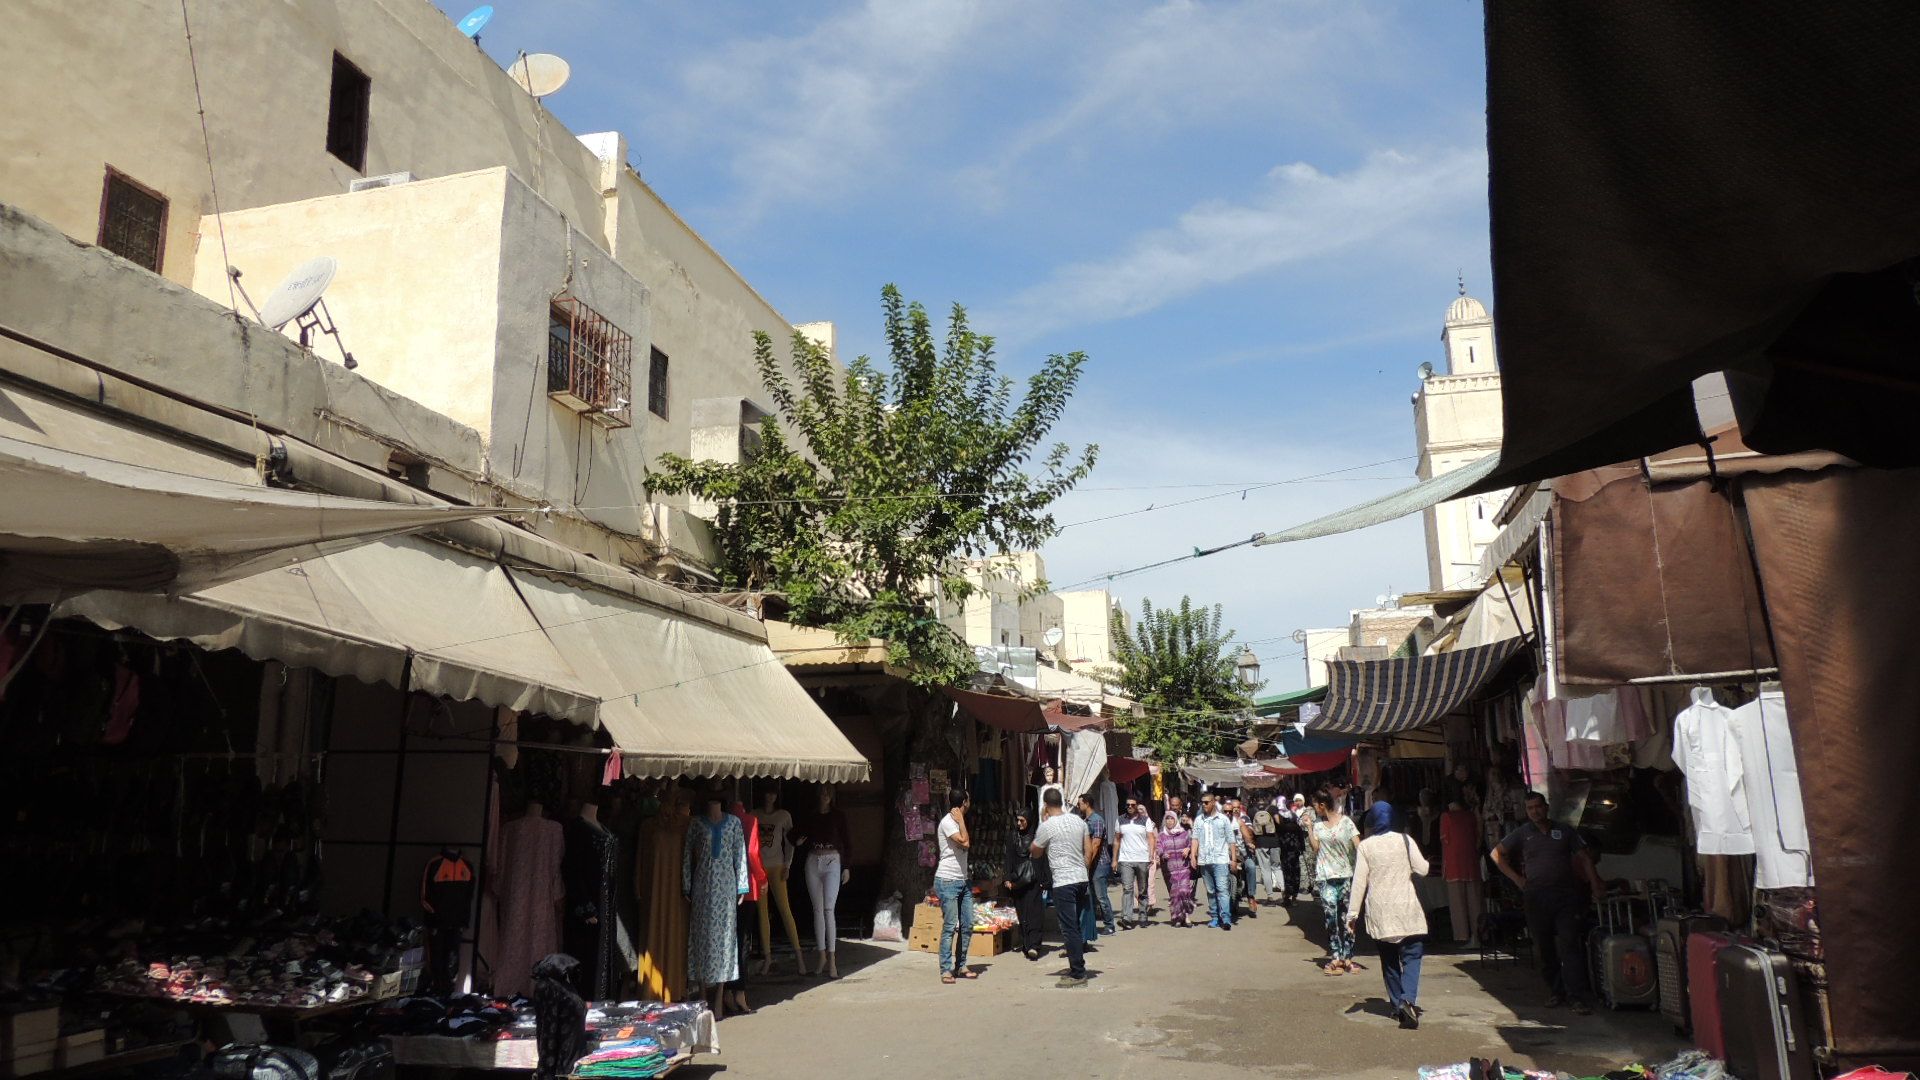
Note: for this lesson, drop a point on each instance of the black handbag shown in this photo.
(1025, 874)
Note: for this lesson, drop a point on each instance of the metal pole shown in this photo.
(480, 863)
(399, 787)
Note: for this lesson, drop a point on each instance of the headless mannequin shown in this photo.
(716, 812)
(774, 857)
(821, 887)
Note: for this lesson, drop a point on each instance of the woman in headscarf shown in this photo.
(1176, 850)
(1293, 844)
(1383, 876)
(1333, 838)
(1027, 883)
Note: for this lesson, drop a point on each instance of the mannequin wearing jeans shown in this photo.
(824, 835)
(776, 854)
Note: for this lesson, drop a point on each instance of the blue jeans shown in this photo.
(1400, 967)
(1250, 873)
(1219, 877)
(956, 920)
(1102, 873)
(1068, 902)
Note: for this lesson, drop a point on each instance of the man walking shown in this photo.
(1063, 841)
(1102, 872)
(950, 884)
(1214, 834)
(1551, 863)
(1137, 847)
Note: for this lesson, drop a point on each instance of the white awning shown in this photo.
(362, 612)
(1389, 507)
(682, 697)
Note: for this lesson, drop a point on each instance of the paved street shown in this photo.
(1166, 1004)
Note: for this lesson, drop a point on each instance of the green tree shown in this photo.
(1177, 665)
(889, 477)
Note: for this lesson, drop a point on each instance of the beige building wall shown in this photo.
(1457, 421)
(1323, 644)
(998, 615)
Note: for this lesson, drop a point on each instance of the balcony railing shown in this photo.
(589, 363)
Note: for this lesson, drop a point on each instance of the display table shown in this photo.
(698, 1036)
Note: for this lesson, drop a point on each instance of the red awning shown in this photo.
(1125, 770)
(1023, 715)
(1310, 763)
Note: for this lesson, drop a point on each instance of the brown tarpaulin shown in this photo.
(1839, 555)
(1650, 581)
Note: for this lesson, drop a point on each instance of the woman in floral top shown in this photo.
(1334, 839)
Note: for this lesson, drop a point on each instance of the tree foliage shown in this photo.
(888, 478)
(1177, 661)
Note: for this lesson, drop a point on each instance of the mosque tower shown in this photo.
(1457, 421)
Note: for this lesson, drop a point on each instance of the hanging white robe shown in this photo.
(1705, 750)
(1772, 781)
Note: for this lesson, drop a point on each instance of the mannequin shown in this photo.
(1460, 863)
(657, 872)
(776, 854)
(446, 898)
(592, 926)
(824, 834)
(531, 849)
(713, 879)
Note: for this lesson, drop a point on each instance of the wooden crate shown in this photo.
(925, 935)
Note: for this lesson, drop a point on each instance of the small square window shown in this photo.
(347, 110)
(133, 220)
(657, 384)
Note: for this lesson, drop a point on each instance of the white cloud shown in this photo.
(1268, 592)
(803, 117)
(1302, 214)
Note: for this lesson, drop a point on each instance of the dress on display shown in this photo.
(714, 877)
(663, 962)
(593, 928)
(531, 848)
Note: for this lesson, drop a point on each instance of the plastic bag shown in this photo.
(886, 920)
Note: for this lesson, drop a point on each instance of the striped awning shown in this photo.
(1382, 697)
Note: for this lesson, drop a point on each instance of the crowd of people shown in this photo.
(1291, 847)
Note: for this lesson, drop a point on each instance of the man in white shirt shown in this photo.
(1063, 841)
(950, 884)
(1136, 848)
(1214, 836)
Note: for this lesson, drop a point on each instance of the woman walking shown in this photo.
(1176, 851)
(1383, 876)
(1026, 882)
(1293, 844)
(1333, 839)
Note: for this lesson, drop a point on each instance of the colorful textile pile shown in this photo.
(638, 1058)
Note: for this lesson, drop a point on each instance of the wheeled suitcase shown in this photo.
(1703, 989)
(1670, 935)
(1622, 960)
(1762, 1019)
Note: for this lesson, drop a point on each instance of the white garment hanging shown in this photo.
(1779, 819)
(1595, 719)
(1705, 750)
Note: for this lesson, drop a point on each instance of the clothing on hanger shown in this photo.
(1772, 782)
(1705, 750)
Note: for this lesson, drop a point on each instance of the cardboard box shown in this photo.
(28, 1030)
(80, 1048)
(25, 1059)
(925, 935)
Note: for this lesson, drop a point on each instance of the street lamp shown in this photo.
(1246, 667)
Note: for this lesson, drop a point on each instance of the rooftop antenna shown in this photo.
(476, 21)
(540, 74)
(298, 300)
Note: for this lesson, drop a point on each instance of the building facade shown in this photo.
(1457, 421)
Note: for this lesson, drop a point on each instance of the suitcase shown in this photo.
(1622, 960)
(1703, 989)
(1762, 1019)
(355, 1059)
(1670, 935)
(257, 1061)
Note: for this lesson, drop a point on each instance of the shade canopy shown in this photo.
(682, 697)
(75, 521)
(1389, 507)
(362, 613)
(1678, 189)
(1382, 697)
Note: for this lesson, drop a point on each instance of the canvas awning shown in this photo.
(685, 697)
(1381, 697)
(1677, 189)
(362, 613)
(1389, 507)
(118, 518)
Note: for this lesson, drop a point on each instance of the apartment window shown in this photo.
(589, 363)
(133, 220)
(657, 383)
(347, 113)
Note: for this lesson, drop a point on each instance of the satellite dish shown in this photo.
(301, 290)
(1053, 636)
(1425, 372)
(476, 20)
(540, 74)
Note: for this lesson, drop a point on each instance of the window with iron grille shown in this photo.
(133, 221)
(348, 106)
(589, 363)
(657, 384)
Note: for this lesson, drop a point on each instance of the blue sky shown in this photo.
(1249, 214)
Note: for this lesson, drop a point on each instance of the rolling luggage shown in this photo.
(1670, 935)
(1622, 960)
(1703, 988)
(1762, 1019)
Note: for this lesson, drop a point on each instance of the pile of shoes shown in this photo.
(466, 1016)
